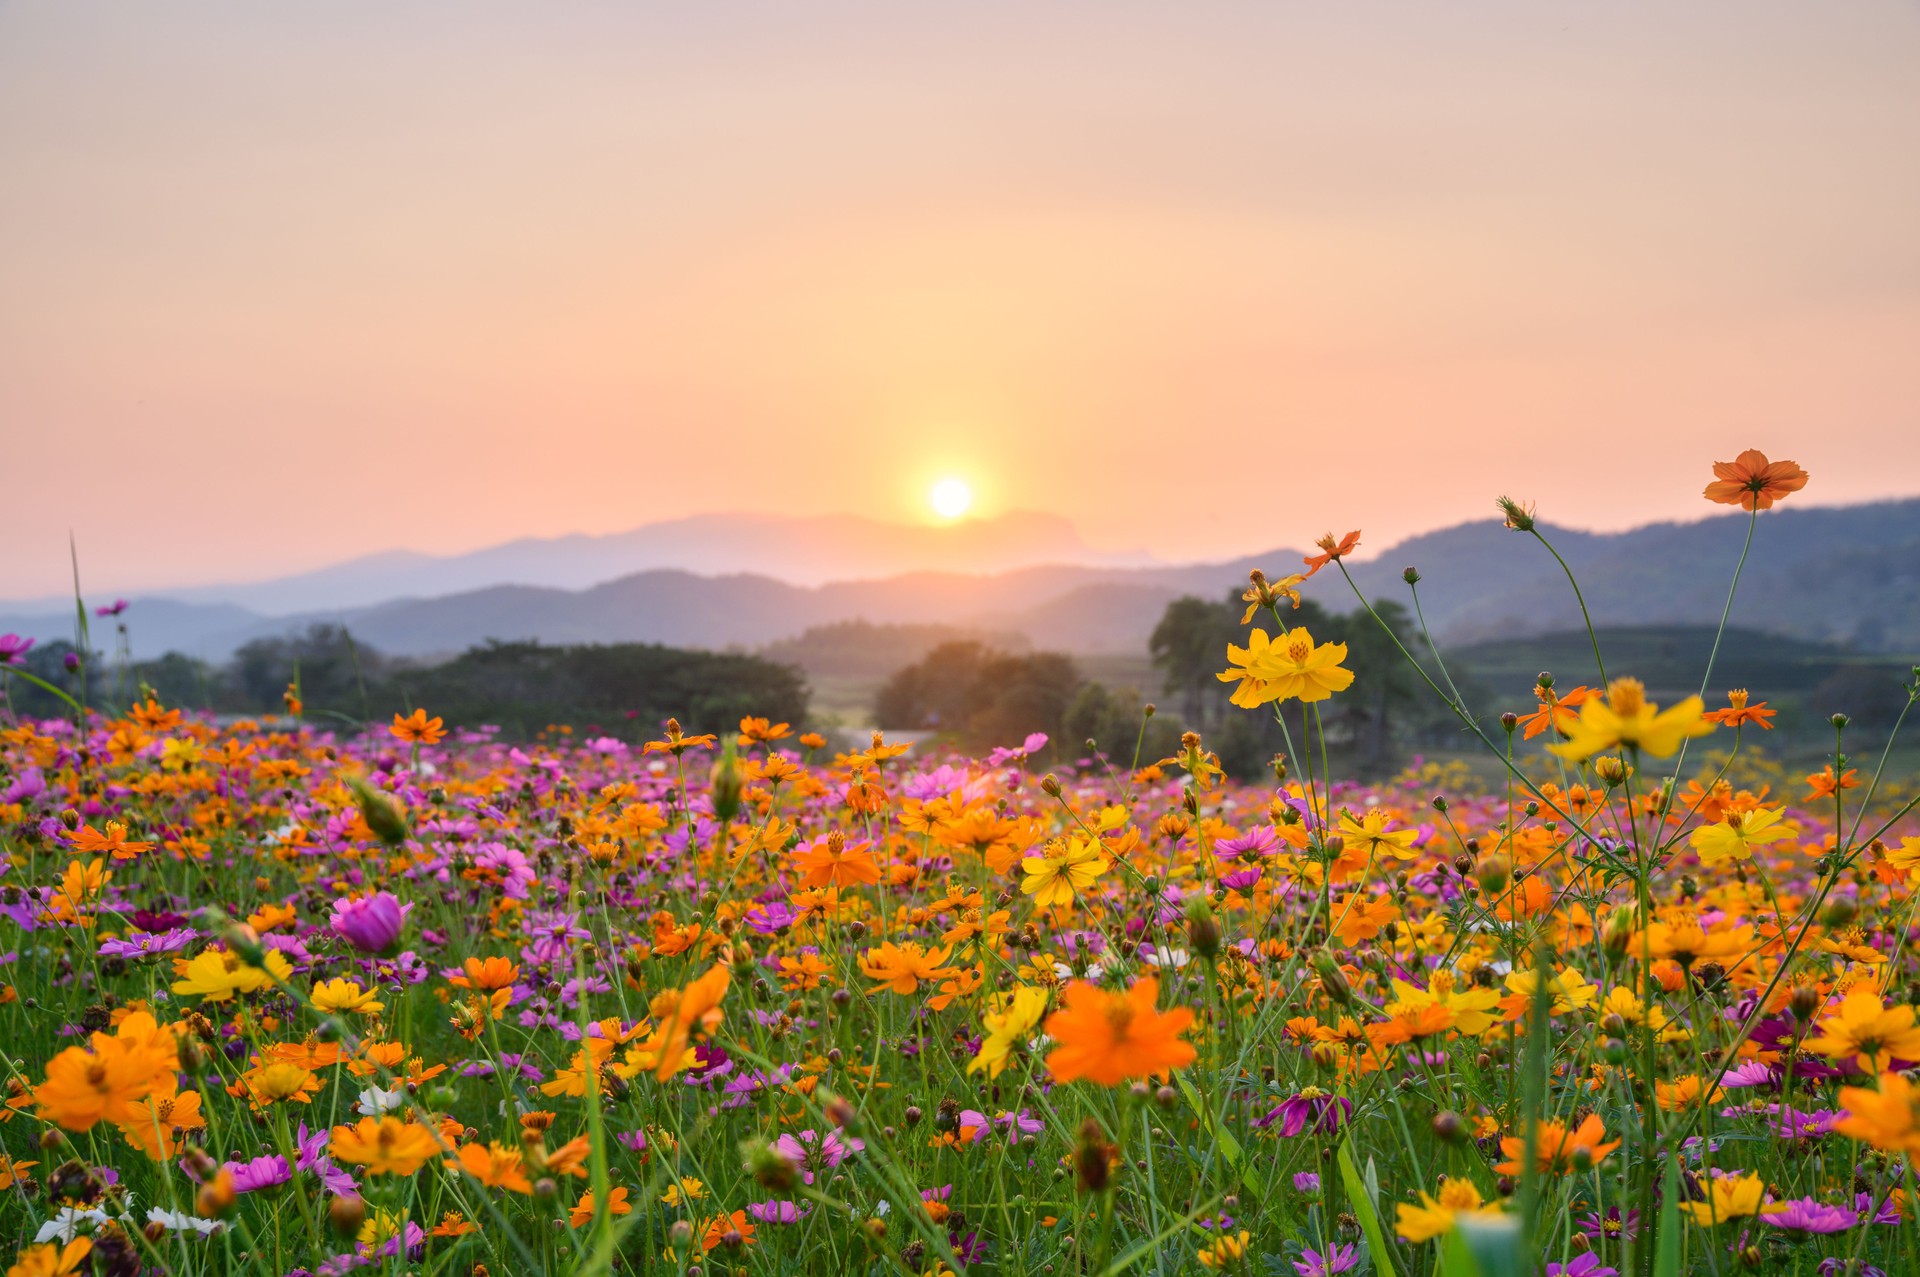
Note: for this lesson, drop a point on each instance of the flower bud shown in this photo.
(1804, 1002)
(1092, 1158)
(346, 1214)
(1203, 931)
(1333, 981)
(1493, 874)
(379, 811)
(769, 1166)
(216, 1197)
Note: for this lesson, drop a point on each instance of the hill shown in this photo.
(1848, 575)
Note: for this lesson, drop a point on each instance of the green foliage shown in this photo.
(980, 696)
(618, 687)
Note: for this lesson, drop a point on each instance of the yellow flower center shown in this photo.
(1627, 696)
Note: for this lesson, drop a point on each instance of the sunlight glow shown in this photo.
(950, 498)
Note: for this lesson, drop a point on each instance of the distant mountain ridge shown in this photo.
(1847, 574)
(802, 550)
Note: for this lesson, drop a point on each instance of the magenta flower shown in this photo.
(370, 924)
(776, 1212)
(1806, 1215)
(812, 1151)
(13, 647)
(1336, 1259)
(261, 1172)
(1587, 1265)
(1323, 1113)
(1258, 841)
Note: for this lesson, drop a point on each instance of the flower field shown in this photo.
(281, 998)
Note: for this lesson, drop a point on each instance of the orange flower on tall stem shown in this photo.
(1738, 712)
(417, 729)
(1330, 550)
(1556, 710)
(1752, 482)
(113, 843)
(1824, 784)
(1107, 1038)
(1556, 1149)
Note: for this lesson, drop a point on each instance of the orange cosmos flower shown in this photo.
(676, 743)
(385, 1145)
(1555, 1147)
(726, 1226)
(1738, 712)
(1107, 1038)
(1824, 784)
(162, 1118)
(1556, 710)
(1331, 550)
(105, 1084)
(494, 1165)
(1358, 918)
(617, 1203)
(51, 1260)
(1752, 482)
(681, 1011)
(114, 842)
(418, 729)
(1888, 1118)
(830, 862)
(486, 973)
(901, 967)
(757, 730)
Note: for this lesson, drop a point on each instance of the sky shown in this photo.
(283, 284)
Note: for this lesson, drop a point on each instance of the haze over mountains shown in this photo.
(1845, 574)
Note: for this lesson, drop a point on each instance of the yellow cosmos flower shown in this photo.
(1292, 667)
(1866, 1029)
(1470, 1008)
(1053, 879)
(1368, 836)
(1735, 836)
(1013, 1018)
(1732, 1197)
(1627, 718)
(345, 995)
(1437, 1216)
(218, 974)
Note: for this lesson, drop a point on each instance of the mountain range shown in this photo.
(1848, 574)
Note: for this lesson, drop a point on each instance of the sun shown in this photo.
(950, 498)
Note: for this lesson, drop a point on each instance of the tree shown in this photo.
(978, 696)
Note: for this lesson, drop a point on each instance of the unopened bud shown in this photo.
(346, 1214)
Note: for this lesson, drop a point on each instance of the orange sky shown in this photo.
(281, 284)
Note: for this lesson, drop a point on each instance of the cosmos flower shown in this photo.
(370, 923)
(1107, 1038)
(1291, 667)
(1626, 719)
(1752, 482)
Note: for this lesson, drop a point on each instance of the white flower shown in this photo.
(375, 1102)
(1167, 958)
(179, 1222)
(66, 1225)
